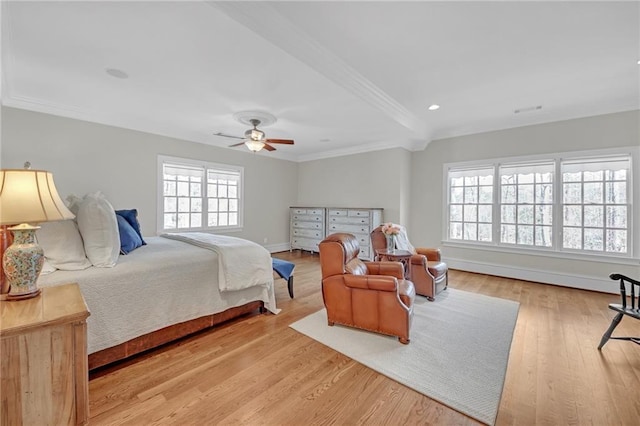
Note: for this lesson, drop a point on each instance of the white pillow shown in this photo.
(62, 245)
(73, 203)
(99, 229)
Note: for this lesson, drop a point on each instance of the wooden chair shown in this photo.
(623, 309)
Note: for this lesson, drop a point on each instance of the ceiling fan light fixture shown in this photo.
(257, 135)
(254, 145)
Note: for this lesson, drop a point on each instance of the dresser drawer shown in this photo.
(305, 243)
(363, 241)
(307, 218)
(358, 213)
(299, 211)
(312, 233)
(338, 212)
(351, 229)
(303, 224)
(349, 220)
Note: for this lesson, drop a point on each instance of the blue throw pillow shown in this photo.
(129, 238)
(131, 217)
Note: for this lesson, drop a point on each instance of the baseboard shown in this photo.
(601, 284)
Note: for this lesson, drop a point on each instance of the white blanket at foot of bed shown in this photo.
(241, 263)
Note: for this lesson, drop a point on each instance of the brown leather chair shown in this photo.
(369, 295)
(427, 271)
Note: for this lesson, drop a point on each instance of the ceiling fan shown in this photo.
(255, 138)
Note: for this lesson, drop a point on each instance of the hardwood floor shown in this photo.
(257, 370)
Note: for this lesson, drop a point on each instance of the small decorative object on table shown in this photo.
(390, 231)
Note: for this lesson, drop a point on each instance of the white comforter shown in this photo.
(163, 283)
(241, 263)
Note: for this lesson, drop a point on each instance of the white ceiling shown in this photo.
(358, 74)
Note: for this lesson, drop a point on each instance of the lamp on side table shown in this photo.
(27, 197)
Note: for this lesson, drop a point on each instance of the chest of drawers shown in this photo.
(307, 227)
(359, 222)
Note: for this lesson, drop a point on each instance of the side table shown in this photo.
(402, 256)
(45, 370)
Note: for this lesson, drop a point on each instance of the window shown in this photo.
(595, 207)
(470, 204)
(196, 195)
(573, 204)
(526, 204)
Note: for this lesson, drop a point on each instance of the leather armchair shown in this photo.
(369, 295)
(427, 271)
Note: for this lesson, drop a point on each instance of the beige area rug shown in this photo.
(458, 352)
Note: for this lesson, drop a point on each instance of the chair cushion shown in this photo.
(437, 269)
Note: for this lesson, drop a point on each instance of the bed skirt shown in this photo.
(168, 334)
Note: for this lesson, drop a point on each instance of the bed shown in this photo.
(159, 292)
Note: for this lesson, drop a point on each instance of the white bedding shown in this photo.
(241, 263)
(163, 283)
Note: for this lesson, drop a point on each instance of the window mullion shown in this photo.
(557, 226)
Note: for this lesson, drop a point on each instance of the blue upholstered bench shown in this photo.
(285, 270)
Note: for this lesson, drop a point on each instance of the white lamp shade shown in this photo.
(30, 196)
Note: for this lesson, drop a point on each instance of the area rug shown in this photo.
(458, 352)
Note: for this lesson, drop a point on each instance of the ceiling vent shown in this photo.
(528, 109)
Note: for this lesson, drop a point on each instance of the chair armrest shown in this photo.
(624, 278)
(371, 282)
(419, 259)
(432, 254)
(623, 290)
(394, 269)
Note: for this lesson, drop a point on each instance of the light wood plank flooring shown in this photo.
(257, 370)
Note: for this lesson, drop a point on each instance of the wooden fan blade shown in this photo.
(284, 141)
(269, 147)
(236, 144)
(227, 136)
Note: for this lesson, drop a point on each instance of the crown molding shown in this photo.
(359, 149)
(264, 20)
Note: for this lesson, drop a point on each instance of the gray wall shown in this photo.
(86, 157)
(372, 179)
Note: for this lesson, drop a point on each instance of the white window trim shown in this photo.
(631, 257)
(206, 165)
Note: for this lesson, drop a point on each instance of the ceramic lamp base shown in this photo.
(22, 263)
(23, 296)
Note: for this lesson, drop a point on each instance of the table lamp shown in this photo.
(27, 197)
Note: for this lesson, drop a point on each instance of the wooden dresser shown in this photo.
(45, 375)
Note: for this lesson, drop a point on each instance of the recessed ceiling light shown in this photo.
(638, 61)
(325, 140)
(114, 72)
(433, 107)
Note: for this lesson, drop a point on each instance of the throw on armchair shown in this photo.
(369, 295)
(427, 271)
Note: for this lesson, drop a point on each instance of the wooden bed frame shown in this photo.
(168, 334)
